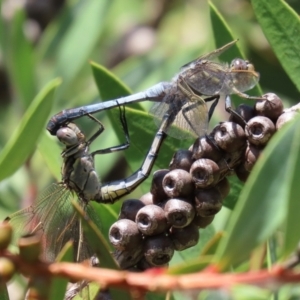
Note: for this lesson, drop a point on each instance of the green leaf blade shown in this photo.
(23, 140)
(281, 26)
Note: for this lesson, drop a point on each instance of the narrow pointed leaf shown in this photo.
(23, 140)
(281, 26)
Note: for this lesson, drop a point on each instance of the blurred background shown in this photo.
(141, 42)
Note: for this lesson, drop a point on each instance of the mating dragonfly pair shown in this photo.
(180, 103)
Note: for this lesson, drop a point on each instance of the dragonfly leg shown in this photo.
(228, 108)
(125, 129)
(216, 99)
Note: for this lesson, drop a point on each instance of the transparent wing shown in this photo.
(54, 219)
(212, 55)
(191, 120)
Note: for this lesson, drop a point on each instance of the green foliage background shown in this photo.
(142, 43)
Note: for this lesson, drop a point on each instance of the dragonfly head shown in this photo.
(245, 76)
(70, 135)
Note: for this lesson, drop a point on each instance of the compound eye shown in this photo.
(250, 67)
(67, 136)
(239, 64)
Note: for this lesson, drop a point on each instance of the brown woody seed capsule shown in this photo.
(285, 118)
(143, 265)
(7, 269)
(224, 187)
(208, 202)
(151, 220)
(184, 238)
(5, 235)
(124, 234)
(245, 111)
(259, 130)
(30, 248)
(182, 159)
(202, 222)
(178, 183)
(205, 173)
(158, 249)
(241, 172)
(147, 198)
(251, 155)
(157, 191)
(205, 148)
(230, 136)
(271, 107)
(128, 258)
(130, 209)
(179, 212)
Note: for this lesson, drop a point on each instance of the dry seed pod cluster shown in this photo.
(187, 195)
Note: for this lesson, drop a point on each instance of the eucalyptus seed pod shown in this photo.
(158, 249)
(182, 159)
(205, 147)
(208, 202)
(184, 238)
(285, 118)
(5, 235)
(224, 187)
(229, 136)
(147, 198)
(124, 234)
(130, 208)
(245, 111)
(30, 248)
(251, 155)
(128, 258)
(259, 130)
(202, 222)
(151, 220)
(7, 269)
(241, 172)
(178, 183)
(157, 190)
(179, 212)
(143, 265)
(205, 173)
(271, 107)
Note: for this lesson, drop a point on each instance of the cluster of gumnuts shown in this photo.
(187, 195)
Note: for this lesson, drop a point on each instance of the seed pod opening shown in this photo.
(182, 159)
(208, 202)
(158, 249)
(178, 183)
(259, 130)
(184, 238)
(230, 136)
(205, 173)
(151, 220)
(179, 212)
(271, 107)
(130, 208)
(124, 234)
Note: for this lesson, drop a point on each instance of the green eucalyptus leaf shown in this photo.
(21, 60)
(23, 140)
(281, 26)
(266, 201)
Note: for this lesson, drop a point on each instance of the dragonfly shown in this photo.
(198, 82)
(53, 216)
